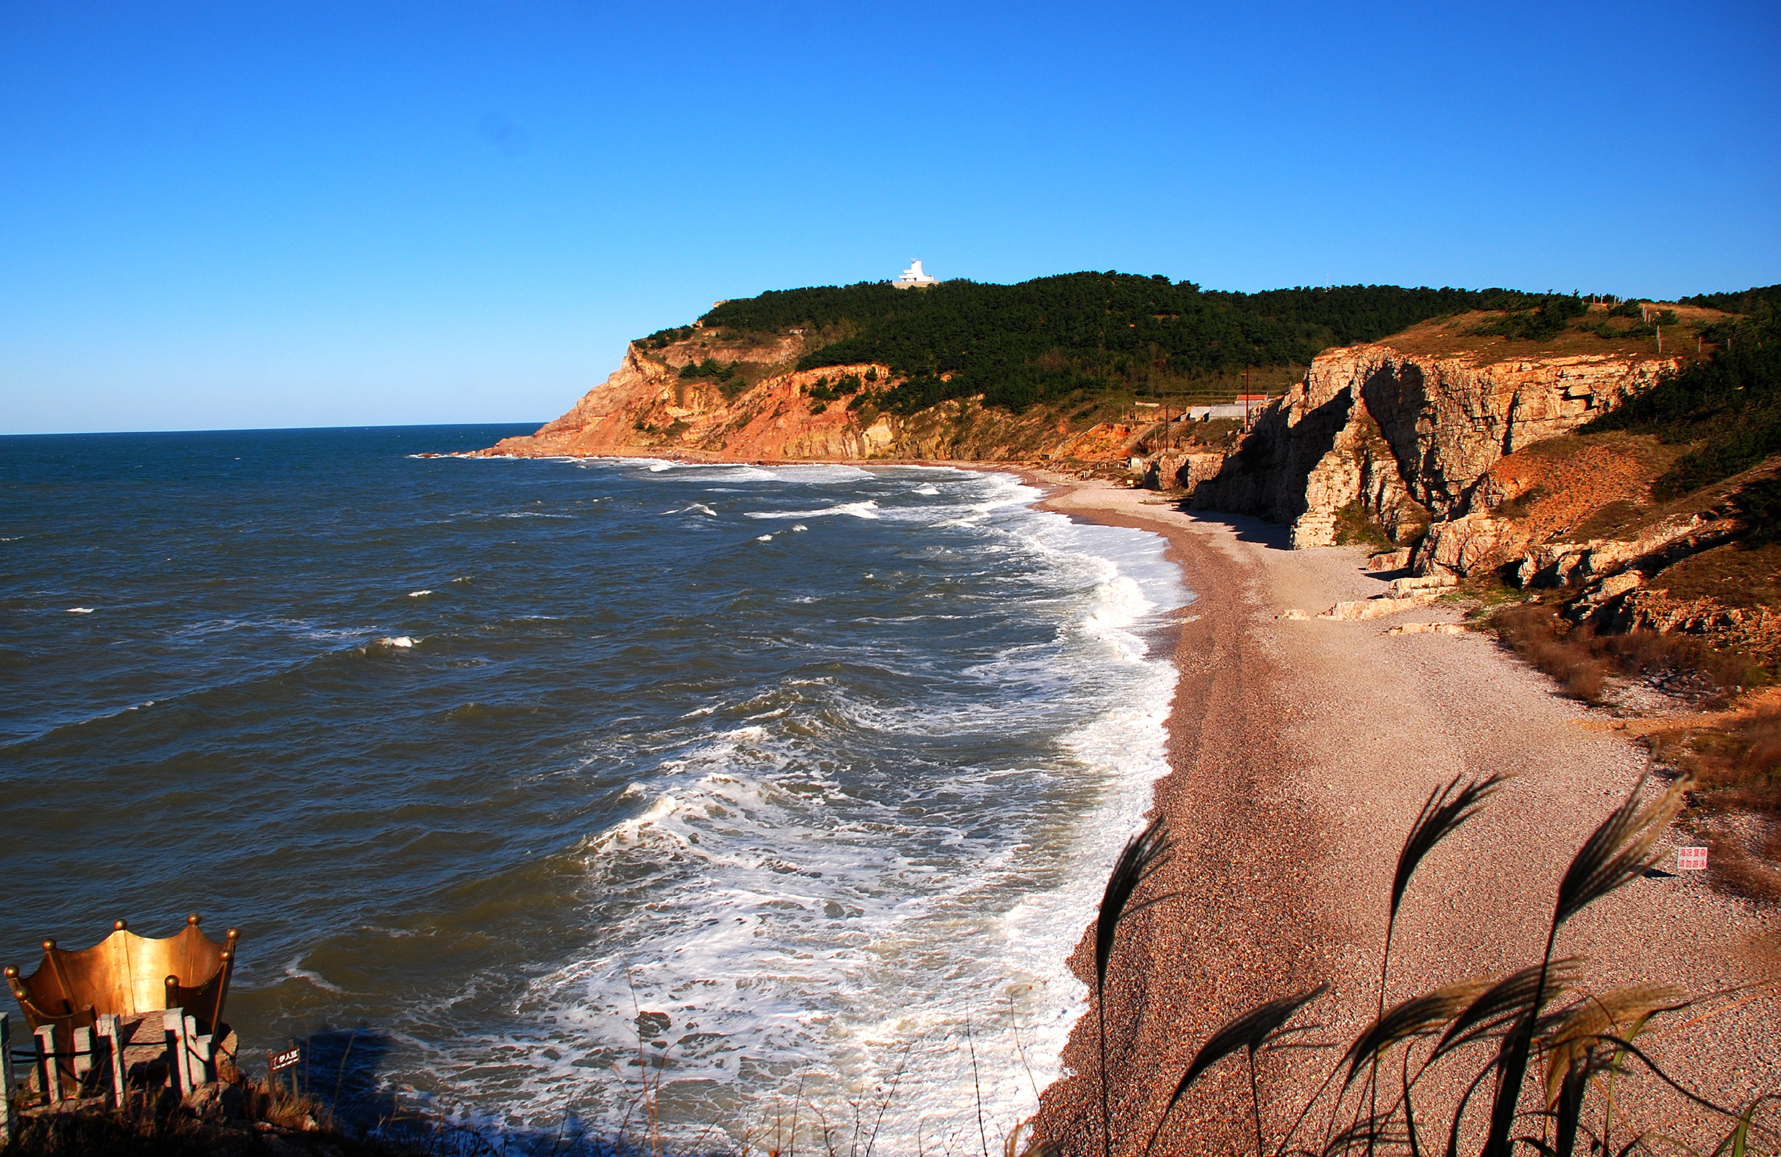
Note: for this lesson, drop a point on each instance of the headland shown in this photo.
(1390, 520)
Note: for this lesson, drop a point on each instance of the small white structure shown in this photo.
(913, 276)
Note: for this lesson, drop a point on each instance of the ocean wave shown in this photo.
(801, 922)
(864, 509)
(313, 977)
(812, 824)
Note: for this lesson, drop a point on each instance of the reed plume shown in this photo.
(1250, 1031)
(1583, 1028)
(1418, 1016)
(1446, 808)
(1142, 855)
(1617, 852)
(1505, 1002)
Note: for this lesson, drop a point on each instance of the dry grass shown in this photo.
(1454, 337)
(1582, 660)
(87, 1134)
(1742, 870)
(1737, 806)
(1736, 574)
(1738, 764)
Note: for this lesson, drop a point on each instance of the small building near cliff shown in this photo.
(913, 276)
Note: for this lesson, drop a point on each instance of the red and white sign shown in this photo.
(1691, 859)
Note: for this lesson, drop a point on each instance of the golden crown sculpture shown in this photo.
(128, 976)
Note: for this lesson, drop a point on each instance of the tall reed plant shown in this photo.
(1533, 1041)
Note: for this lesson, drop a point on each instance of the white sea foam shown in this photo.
(313, 977)
(865, 509)
(799, 934)
(419, 593)
(80, 610)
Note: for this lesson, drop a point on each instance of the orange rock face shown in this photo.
(769, 411)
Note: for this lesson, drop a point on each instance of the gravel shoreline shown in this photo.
(1300, 751)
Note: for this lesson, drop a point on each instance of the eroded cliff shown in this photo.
(1407, 435)
(766, 410)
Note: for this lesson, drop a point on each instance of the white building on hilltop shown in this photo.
(913, 276)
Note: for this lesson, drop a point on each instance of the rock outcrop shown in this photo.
(766, 410)
(1751, 630)
(1406, 438)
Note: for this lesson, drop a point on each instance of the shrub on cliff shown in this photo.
(1046, 338)
(1729, 405)
(1542, 323)
(663, 338)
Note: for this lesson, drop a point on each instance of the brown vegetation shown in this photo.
(233, 1116)
(1582, 660)
(1737, 805)
(1736, 574)
(1455, 336)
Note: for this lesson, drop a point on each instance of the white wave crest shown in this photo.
(865, 509)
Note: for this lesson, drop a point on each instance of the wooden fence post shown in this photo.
(173, 1028)
(48, 1074)
(112, 1032)
(83, 1058)
(6, 1121)
(203, 1054)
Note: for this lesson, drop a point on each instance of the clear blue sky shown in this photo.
(239, 215)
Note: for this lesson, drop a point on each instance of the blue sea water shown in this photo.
(766, 785)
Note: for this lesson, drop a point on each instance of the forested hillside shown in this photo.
(1727, 408)
(1044, 339)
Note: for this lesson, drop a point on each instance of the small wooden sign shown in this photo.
(284, 1060)
(1691, 859)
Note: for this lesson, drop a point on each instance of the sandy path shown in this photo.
(1301, 752)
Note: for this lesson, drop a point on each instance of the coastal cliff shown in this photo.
(1407, 432)
(1452, 444)
(766, 410)
(1459, 458)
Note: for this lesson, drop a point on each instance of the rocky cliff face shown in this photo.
(1408, 436)
(768, 411)
(1463, 458)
